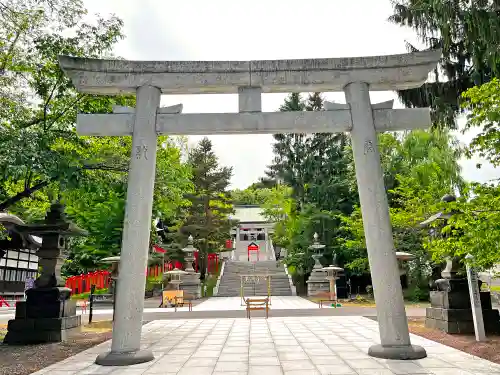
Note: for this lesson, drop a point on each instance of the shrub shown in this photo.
(417, 294)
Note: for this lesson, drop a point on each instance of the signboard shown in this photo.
(172, 297)
(475, 301)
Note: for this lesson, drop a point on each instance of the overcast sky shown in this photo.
(258, 29)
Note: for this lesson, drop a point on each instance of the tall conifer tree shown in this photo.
(468, 32)
(208, 216)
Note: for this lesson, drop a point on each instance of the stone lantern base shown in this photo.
(47, 315)
(451, 311)
(191, 284)
(317, 283)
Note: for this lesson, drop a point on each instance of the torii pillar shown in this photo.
(249, 79)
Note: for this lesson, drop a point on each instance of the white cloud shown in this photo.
(257, 29)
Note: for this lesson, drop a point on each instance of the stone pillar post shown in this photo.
(393, 325)
(129, 304)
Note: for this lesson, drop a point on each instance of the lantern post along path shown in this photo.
(249, 79)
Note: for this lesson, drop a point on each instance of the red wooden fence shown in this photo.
(81, 283)
(101, 279)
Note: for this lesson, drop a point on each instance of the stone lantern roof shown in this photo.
(55, 223)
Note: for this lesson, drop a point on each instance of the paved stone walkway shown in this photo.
(284, 346)
(234, 303)
(231, 304)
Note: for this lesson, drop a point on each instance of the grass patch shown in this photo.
(3, 331)
(363, 301)
(83, 296)
(210, 282)
(98, 326)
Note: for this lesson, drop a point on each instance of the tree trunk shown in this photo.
(202, 255)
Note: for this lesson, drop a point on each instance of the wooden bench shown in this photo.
(186, 299)
(257, 304)
(326, 297)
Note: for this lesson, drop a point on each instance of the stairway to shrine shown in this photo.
(230, 284)
(264, 253)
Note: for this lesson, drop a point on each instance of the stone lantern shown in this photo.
(114, 261)
(452, 265)
(114, 273)
(48, 314)
(176, 280)
(317, 249)
(191, 280)
(450, 309)
(402, 257)
(189, 251)
(317, 281)
(332, 275)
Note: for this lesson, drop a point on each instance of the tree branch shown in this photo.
(46, 105)
(26, 193)
(38, 120)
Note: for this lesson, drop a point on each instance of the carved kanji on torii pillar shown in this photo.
(249, 79)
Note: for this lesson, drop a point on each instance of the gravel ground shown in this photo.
(489, 350)
(24, 360)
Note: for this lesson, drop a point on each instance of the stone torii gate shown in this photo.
(249, 79)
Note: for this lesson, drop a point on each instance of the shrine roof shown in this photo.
(249, 214)
(10, 222)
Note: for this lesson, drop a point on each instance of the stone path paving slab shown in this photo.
(234, 303)
(230, 304)
(281, 346)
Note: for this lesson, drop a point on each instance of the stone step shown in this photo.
(230, 284)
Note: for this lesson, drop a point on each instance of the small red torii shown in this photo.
(253, 247)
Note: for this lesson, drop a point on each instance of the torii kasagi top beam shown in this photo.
(381, 73)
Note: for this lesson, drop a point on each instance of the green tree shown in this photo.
(314, 165)
(208, 216)
(47, 160)
(38, 105)
(251, 196)
(468, 32)
(482, 104)
(289, 154)
(316, 169)
(171, 240)
(474, 229)
(98, 205)
(426, 167)
(430, 157)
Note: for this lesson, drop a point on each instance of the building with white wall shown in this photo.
(18, 259)
(252, 225)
